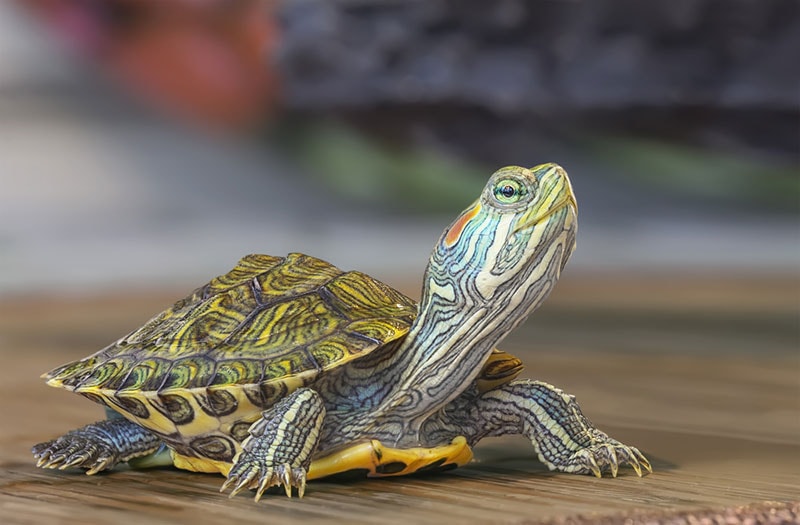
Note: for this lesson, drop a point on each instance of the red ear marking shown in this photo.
(455, 230)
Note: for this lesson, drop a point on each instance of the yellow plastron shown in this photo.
(376, 460)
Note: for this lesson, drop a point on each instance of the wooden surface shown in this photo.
(703, 375)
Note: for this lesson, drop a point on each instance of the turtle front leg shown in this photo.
(280, 446)
(97, 446)
(563, 437)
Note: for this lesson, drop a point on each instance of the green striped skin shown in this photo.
(563, 438)
(287, 361)
(284, 442)
(491, 268)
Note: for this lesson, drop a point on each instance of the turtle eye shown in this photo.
(509, 191)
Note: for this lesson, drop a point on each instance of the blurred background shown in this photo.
(147, 143)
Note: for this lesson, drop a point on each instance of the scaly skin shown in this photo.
(97, 446)
(492, 267)
(280, 446)
(564, 439)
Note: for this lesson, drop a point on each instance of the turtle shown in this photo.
(288, 369)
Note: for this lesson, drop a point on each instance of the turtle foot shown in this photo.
(97, 446)
(247, 473)
(279, 448)
(605, 457)
(75, 450)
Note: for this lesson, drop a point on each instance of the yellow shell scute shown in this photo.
(238, 371)
(341, 347)
(388, 329)
(248, 267)
(139, 377)
(190, 372)
(358, 296)
(214, 321)
(298, 274)
(111, 372)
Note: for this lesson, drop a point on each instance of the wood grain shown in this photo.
(702, 374)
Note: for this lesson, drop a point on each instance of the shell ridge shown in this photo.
(330, 300)
(310, 356)
(364, 337)
(164, 377)
(286, 299)
(211, 379)
(255, 288)
(131, 370)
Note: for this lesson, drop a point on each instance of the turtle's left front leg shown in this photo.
(280, 446)
(563, 437)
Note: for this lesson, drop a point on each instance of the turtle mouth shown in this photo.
(568, 200)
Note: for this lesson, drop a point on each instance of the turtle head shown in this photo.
(517, 235)
(492, 267)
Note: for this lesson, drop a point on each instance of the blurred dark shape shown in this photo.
(720, 72)
(204, 61)
(514, 55)
(698, 98)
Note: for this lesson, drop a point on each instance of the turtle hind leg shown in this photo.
(563, 437)
(280, 446)
(97, 446)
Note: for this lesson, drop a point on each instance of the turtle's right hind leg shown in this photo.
(97, 446)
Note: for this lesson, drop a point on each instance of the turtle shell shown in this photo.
(240, 343)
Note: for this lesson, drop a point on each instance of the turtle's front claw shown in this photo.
(246, 473)
(638, 460)
(239, 478)
(279, 448)
(283, 475)
(606, 457)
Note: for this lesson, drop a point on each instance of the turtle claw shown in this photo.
(287, 480)
(102, 464)
(592, 463)
(72, 461)
(239, 480)
(638, 461)
(251, 476)
(51, 463)
(613, 460)
(636, 467)
(643, 461)
(74, 450)
(267, 480)
(281, 475)
(631, 456)
(42, 455)
(606, 456)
